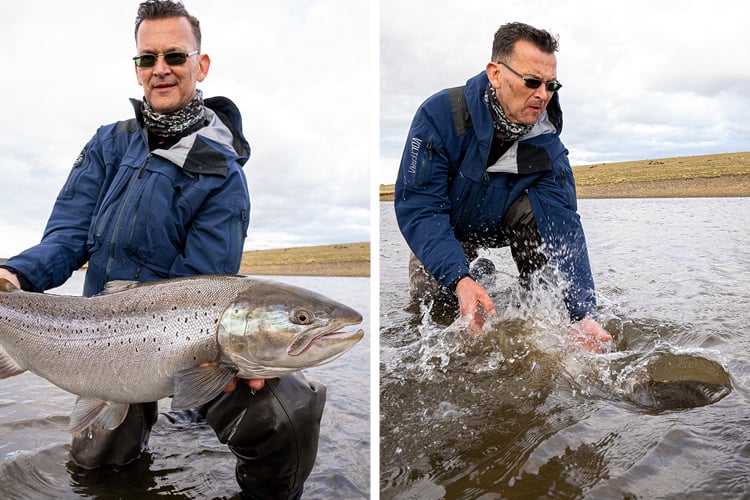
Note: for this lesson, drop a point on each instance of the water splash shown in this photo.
(530, 338)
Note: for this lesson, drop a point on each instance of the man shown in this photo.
(164, 195)
(484, 166)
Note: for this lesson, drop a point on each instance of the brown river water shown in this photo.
(518, 412)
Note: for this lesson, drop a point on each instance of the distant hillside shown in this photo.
(689, 176)
(343, 259)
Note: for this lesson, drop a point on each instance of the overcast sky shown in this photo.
(642, 79)
(298, 70)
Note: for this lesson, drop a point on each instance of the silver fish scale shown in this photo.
(125, 344)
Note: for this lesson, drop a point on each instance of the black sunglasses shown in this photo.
(535, 83)
(171, 58)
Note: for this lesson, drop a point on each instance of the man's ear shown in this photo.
(203, 64)
(493, 74)
(138, 75)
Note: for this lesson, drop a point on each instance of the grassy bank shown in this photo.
(344, 259)
(690, 176)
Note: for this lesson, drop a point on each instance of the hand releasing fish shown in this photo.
(184, 337)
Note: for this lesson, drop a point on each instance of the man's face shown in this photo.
(169, 88)
(520, 103)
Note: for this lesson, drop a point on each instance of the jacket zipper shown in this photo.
(428, 152)
(118, 223)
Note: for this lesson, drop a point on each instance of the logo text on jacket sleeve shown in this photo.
(416, 143)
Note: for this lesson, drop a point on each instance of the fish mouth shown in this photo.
(347, 336)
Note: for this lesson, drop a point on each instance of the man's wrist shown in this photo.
(454, 285)
(25, 283)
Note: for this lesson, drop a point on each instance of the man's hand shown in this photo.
(255, 384)
(591, 335)
(473, 300)
(5, 274)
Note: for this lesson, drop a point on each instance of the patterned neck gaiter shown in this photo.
(176, 123)
(504, 128)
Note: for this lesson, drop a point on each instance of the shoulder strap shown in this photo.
(461, 117)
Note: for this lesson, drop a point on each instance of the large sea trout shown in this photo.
(185, 337)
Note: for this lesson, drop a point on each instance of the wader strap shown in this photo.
(461, 118)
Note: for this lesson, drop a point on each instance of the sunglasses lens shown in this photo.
(175, 58)
(172, 58)
(554, 86)
(145, 61)
(532, 83)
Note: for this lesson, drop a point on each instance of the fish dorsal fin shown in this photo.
(88, 410)
(196, 386)
(118, 286)
(8, 365)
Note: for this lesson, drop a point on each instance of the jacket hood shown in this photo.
(210, 149)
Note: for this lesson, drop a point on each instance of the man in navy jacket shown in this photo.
(164, 195)
(484, 166)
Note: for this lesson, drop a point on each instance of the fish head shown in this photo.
(272, 329)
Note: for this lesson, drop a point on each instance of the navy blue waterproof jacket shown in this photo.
(133, 214)
(445, 195)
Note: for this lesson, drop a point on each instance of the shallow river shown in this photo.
(187, 461)
(520, 413)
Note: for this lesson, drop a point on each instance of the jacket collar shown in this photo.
(210, 149)
(481, 118)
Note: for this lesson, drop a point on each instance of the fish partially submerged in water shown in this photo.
(677, 381)
(184, 337)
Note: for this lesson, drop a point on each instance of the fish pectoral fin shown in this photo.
(196, 386)
(113, 415)
(88, 410)
(8, 366)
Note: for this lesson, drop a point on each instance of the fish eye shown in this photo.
(302, 317)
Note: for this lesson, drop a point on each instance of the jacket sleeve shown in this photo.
(553, 199)
(422, 201)
(214, 242)
(62, 248)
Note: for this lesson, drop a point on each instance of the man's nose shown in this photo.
(542, 92)
(161, 67)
